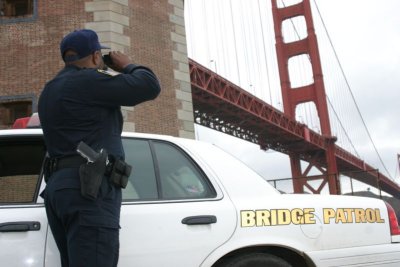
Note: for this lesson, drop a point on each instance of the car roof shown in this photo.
(38, 132)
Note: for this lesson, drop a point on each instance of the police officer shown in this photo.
(83, 103)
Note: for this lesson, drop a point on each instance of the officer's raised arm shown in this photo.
(134, 84)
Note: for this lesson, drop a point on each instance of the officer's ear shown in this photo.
(97, 58)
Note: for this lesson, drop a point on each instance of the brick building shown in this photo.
(152, 32)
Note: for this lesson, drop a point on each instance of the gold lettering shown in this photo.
(378, 216)
(309, 216)
(248, 218)
(297, 216)
(263, 218)
(328, 215)
(359, 215)
(284, 217)
(349, 213)
(274, 217)
(259, 218)
(340, 216)
(370, 214)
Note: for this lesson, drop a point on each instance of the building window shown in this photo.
(10, 111)
(17, 10)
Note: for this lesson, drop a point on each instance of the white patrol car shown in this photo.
(189, 204)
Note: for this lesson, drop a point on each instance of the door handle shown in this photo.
(202, 219)
(19, 226)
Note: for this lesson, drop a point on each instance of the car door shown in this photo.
(172, 214)
(23, 222)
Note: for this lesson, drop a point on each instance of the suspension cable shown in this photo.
(234, 40)
(351, 92)
(265, 53)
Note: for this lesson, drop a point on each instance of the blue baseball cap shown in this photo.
(84, 42)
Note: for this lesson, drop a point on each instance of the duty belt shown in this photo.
(116, 170)
(55, 164)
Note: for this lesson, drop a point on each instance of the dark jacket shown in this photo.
(85, 105)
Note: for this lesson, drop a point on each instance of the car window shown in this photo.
(20, 163)
(142, 182)
(160, 170)
(179, 176)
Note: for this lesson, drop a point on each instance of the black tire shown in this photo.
(256, 260)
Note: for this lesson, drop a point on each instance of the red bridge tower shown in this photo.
(314, 92)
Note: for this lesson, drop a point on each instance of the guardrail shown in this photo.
(348, 184)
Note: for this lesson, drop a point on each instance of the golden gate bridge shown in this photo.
(222, 105)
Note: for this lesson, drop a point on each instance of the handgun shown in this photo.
(87, 152)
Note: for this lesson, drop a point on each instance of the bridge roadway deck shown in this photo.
(223, 106)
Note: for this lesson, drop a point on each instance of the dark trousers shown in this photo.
(86, 231)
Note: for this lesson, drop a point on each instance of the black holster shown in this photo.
(91, 175)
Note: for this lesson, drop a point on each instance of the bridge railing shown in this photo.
(348, 184)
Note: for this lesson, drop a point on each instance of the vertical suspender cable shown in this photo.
(265, 52)
(234, 40)
(216, 40)
(246, 55)
(352, 95)
(225, 39)
(254, 55)
(189, 33)
(206, 30)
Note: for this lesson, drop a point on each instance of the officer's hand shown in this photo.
(119, 60)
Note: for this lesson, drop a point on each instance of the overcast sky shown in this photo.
(366, 37)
